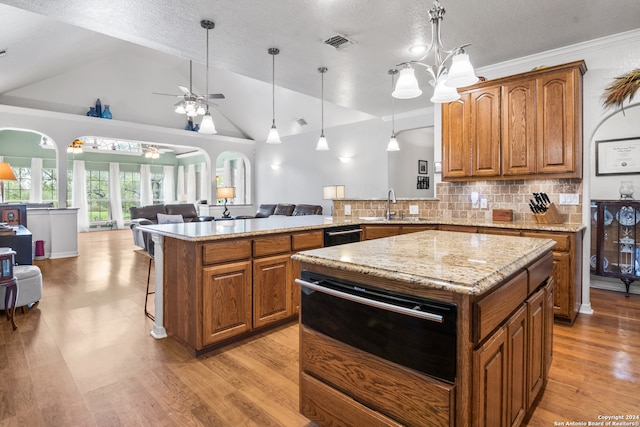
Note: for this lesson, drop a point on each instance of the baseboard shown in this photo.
(69, 254)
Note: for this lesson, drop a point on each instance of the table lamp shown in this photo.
(6, 174)
(226, 193)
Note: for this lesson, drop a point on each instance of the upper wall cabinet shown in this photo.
(524, 126)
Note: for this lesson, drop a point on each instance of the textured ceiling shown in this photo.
(66, 33)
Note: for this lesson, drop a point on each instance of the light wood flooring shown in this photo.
(84, 357)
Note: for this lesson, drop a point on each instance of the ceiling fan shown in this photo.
(191, 103)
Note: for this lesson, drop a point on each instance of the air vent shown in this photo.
(338, 41)
(301, 122)
(3, 52)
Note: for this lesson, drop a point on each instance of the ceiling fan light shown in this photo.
(393, 144)
(207, 126)
(444, 93)
(200, 111)
(322, 144)
(273, 137)
(461, 72)
(407, 85)
(180, 109)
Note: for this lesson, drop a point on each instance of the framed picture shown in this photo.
(423, 183)
(618, 156)
(423, 167)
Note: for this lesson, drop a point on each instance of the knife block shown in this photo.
(551, 216)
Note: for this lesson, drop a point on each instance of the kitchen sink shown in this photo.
(372, 218)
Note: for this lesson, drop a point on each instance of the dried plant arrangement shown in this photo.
(623, 87)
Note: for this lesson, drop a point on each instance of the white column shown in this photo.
(158, 331)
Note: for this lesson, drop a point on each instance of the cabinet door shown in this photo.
(485, 132)
(517, 350)
(548, 324)
(558, 124)
(562, 300)
(536, 320)
(378, 231)
(271, 289)
(226, 301)
(518, 128)
(490, 382)
(456, 150)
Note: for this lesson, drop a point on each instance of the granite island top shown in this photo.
(225, 229)
(458, 262)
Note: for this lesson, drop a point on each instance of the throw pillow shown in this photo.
(169, 219)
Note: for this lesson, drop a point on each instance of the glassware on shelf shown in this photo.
(98, 108)
(92, 112)
(626, 190)
(106, 113)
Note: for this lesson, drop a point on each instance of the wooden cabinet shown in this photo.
(567, 272)
(523, 126)
(510, 367)
(302, 241)
(271, 289)
(379, 231)
(226, 301)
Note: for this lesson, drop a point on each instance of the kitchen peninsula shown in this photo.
(499, 301)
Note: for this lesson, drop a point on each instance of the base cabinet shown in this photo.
(490, 382)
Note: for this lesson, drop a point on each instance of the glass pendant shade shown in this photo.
(407, 86)
(200, 111)
(461, 72)
(273, 137)
(322, 144)
(180, 109)
(444, 93)
(393, 144)
(207, 126)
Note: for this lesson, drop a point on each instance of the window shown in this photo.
(130, 191)
(157, 187)
(49, 186)
(97, 195)
(19, 190)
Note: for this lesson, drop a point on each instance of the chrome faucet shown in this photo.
(391, 198)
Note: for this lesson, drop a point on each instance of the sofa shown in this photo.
(187, 210)
(286, 209)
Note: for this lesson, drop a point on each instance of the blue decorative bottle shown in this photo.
(92, 112)
(98, 108)
(106, 113)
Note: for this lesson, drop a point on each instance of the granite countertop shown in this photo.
(464, 263)
(225, 229)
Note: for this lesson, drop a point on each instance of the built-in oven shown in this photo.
(414, 332)
(341, 234)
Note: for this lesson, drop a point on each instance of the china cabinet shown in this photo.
(616, 250)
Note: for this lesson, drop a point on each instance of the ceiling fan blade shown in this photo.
(184, 90)
(166, 94)
(215, 96)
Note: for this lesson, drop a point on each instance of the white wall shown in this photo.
(415, 144)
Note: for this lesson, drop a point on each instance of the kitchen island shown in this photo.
(501, 291)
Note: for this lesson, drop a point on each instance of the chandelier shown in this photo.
(445, 79)
(75, 147)
(151, 152)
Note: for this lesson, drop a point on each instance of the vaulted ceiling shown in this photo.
(48, 39)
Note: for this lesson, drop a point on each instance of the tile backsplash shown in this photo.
(453, 200)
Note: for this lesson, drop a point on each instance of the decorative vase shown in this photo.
(189, 125)
(626, 190)
(106, 113)
(98, 108)
(92, 112)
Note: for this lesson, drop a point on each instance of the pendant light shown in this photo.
(322, 142)
(273, 137)
(393, 142)
(207, 126)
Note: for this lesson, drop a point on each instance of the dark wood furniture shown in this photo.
(8, 280)
(524, 126)
(21, 242)
(13, 214)
(615, 250)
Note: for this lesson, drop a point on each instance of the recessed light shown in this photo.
(419, 48)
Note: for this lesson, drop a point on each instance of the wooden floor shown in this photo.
(84, 357)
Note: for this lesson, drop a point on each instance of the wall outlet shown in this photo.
(483, 203)
(569, 199)
(413, 210)
(347, 209)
